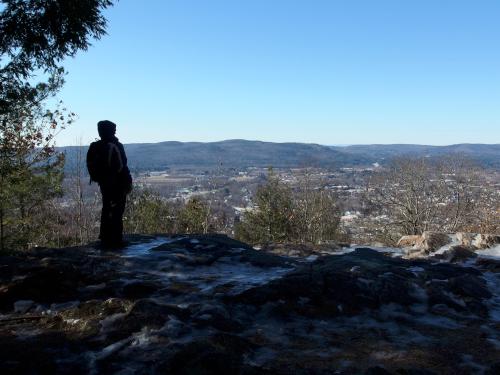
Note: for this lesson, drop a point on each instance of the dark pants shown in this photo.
(113, 207)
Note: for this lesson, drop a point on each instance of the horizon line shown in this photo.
(304, 143)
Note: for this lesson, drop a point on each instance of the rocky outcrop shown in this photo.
(478, 240)
(430, 242)
(424, 244)
(483, 241)
(457, 254)
(465, 239)
(410, 241)
(212, 305)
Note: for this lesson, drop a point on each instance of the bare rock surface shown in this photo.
(212, 305)
(483, 241)
(430, 242)
(425, 243)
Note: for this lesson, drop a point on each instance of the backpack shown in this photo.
(104, 161)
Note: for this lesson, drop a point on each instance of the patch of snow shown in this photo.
(24, 334)
(418, 293)
(387, 355)
(346, 250)
(113, 348)
(173, 328)
(393, 251)
(493, 252)
(93, 357)
(144, 338)
(468, 361)
(437, 321)
(244, 276)
(392, 311)
(453, 242)
(261, 356)
(396, 331)
(143, 248)
(205, 317)
(93, 287)
(350, 217)
(419, 308)
(312, 258)
(238, 250)
(364, 281)
(495, 342)
(72, 321)
(416, 270)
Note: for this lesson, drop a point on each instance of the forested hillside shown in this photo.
(243, 153)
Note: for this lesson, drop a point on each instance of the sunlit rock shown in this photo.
(483, 241)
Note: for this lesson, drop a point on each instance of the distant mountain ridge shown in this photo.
(238, 153)
(487, 155)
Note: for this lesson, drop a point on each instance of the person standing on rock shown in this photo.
(107, 165)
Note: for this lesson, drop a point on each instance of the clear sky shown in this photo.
(321, 71)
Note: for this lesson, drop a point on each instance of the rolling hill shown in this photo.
(243, 153)
(487, 155)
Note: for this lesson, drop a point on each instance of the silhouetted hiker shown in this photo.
(107, 165)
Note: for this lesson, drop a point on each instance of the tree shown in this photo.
(316, 216)
(193, 216)
(418, 195)
(148, 213)
(271, 219)
(80, 214)
(35, 36)
(306, 214)
(459, 186)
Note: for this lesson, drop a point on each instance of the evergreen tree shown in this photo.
(193, 217)
(271, 218)
(147, 212)
(35, 36)
(307, 215)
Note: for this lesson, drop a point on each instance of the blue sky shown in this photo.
(329, 72)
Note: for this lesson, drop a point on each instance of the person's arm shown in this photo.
(125, 170)
(123, 155)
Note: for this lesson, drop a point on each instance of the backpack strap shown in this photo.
(113, 148)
